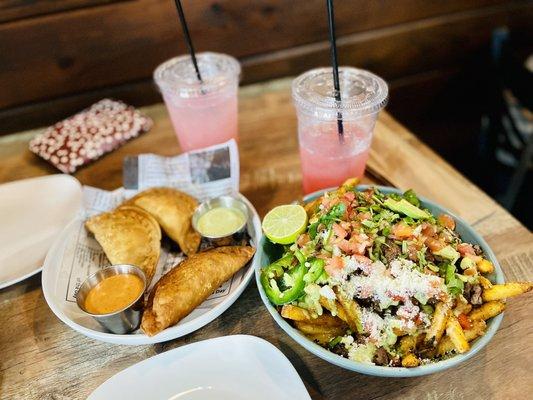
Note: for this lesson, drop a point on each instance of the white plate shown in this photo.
(32, 213)
(237, 367)
(54, 283)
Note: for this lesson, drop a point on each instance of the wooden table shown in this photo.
(42, 358)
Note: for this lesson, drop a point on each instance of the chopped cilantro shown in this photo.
(334, 214)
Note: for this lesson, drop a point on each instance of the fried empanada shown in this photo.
(173, 211)
(128, 235)
(189, 283)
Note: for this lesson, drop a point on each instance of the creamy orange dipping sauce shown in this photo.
(113, 293)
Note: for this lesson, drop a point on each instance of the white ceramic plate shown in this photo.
(239, 367)
(53, 283)
(32, 213)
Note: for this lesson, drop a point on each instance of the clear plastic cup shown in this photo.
(328, 159)
(202, 113)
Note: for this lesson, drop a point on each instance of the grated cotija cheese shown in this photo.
(390, 286)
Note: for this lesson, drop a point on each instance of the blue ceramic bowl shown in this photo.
(267, 254)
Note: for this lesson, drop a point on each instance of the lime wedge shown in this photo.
(283, 224)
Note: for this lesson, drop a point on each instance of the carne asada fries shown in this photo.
(377, 278)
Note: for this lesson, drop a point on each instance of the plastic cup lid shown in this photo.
(362, 93)
(178, 76)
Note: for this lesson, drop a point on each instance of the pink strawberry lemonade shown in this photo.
(326, 161)
(205, 120)
(203, 112)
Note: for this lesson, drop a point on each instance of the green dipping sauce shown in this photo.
(221, 221)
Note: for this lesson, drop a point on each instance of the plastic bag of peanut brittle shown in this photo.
(88, 135)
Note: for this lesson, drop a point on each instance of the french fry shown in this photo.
(484, 282)
(462, 307)
(295, 313)
(334, 307)
(457, 335)
(410, 361)
(438, 323)
(446, 345)
(314, 329)
(329, 304)
(322, 338)
(485, 266)
(500, 292)
(312, 207)
(398, 332)
(327, 320)
(352, 311)
(347, 184)
(300, 314)
(407, 344)
(487, 310)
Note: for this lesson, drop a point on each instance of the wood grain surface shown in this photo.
(120, 42)
(11, 10)
(41, 358)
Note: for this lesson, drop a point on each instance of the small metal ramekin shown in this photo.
(226, 202)
(121, 321)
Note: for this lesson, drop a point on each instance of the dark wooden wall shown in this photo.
(57, 56)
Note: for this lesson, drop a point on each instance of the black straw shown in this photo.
(188, 38)
(335, 64)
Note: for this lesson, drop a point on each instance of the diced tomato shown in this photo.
(465, 248)
(402, 231)
(428, 230)
(334, 266)
(396, 297)
(446, 221)
(356, 245)
(328, 202)
(339, 231)
(350, 196)
(349, 247)
(464, 321)
(434, 244)
(344, 245)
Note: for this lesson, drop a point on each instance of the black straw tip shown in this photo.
(188, 38)
(335, 64)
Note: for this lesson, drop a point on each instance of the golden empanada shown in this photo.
(173, 211)
(128, 235)
(189, 283)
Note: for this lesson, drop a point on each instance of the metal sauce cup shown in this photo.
(121, 321)
(224, 202)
